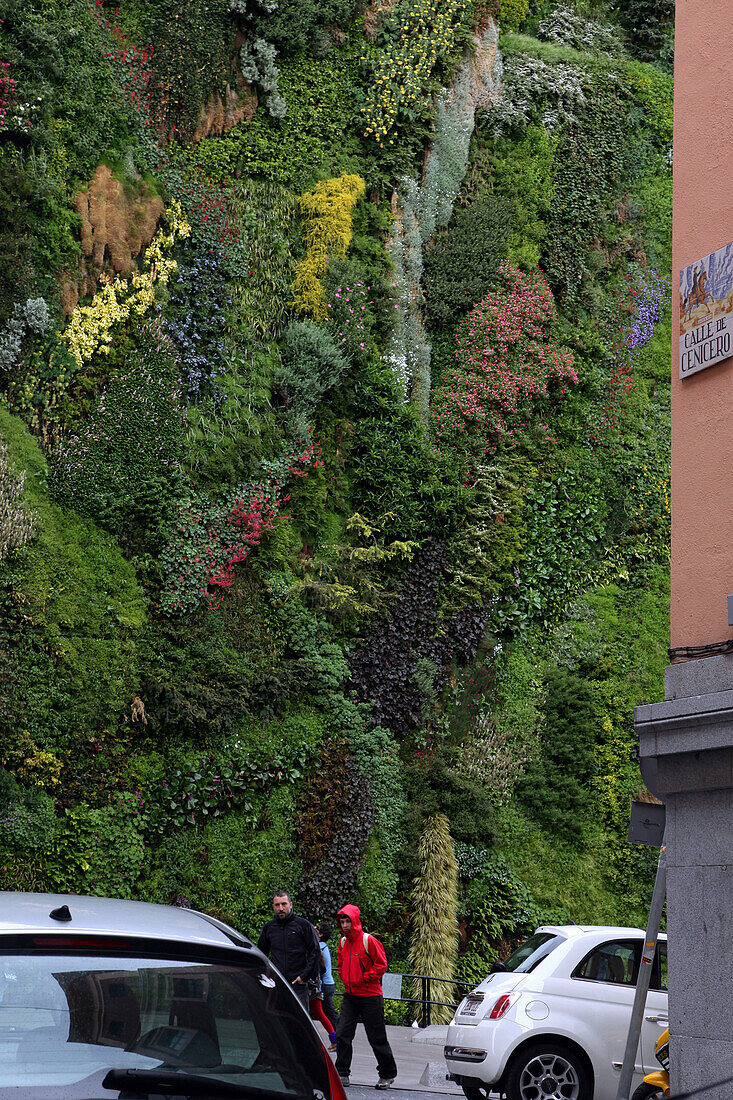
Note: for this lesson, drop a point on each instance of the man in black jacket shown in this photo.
(290, 942)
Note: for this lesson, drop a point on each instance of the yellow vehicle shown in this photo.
(656, 1084)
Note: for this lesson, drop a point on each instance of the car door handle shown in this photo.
(658, 1020)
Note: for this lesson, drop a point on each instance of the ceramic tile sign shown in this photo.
(706, 311)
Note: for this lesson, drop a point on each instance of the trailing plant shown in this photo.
(210, 538)
(91, 327)
(565, 518)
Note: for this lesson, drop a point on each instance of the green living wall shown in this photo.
(334, 449)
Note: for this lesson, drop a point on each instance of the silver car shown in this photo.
(101, 999)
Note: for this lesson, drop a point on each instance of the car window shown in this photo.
(659, 969)
(532, 951)
(616, 962)
(68, 1019)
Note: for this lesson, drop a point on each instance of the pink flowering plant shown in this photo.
(15, 115)
(210, 538)
(505, 362)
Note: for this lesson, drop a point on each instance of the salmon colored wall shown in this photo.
(702, 406)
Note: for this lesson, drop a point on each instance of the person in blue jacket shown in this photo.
(328, 985)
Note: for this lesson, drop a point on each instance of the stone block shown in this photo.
(700, 677)
(698, 827)
(696, 771)
(434, 1075)
(700, 961)
(695, 1062)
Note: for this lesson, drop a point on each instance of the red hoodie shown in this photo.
(360, 970)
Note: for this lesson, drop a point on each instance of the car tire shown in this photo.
(646, 1092)
(537, 1068)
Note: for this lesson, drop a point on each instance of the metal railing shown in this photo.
(425, 1001)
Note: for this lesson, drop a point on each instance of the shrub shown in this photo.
(326, 233)
(257, 65)
(295, 28)
(188, 59)
(556, 787)
(312, 364)
(125, 464)
(91, 327)
(209, 538)
(27, 819)
(335, 876)
(197, 303)
(17, 524)
(512, 13)
(567, 28)
(464, 259)
(417, 37)
(650, 24)
(505, 358)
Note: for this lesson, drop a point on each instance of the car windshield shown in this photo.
(67, 1020)
(532, 951)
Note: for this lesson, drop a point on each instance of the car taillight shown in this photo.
(334, 1081)
(502, 1005)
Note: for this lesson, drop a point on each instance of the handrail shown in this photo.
(425, 1000)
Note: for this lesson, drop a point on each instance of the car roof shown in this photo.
(572, 931)
(23, 913)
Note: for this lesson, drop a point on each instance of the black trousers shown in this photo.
(370, 1010)
(329, 1007)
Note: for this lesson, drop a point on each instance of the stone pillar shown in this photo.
(690, 738)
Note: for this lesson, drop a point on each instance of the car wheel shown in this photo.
(548, 1071)
(646, 1092)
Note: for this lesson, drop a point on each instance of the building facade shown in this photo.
(686, 741)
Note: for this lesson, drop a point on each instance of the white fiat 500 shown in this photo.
(551, 1022)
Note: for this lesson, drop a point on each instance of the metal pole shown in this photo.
(428, 1004)
(645, 973)
(424, 983)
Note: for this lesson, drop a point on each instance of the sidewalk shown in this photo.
(419, 1056)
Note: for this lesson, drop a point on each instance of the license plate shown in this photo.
(469, 1008)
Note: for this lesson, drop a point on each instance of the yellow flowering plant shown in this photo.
(90, 327)
(327, 231)
(418, 37)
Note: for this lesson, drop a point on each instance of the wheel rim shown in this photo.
(549, 1077)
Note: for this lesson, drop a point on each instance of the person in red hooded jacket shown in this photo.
(361, 963)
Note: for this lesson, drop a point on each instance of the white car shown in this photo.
(551, 1023)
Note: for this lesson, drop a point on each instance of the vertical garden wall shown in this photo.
(334, 514)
